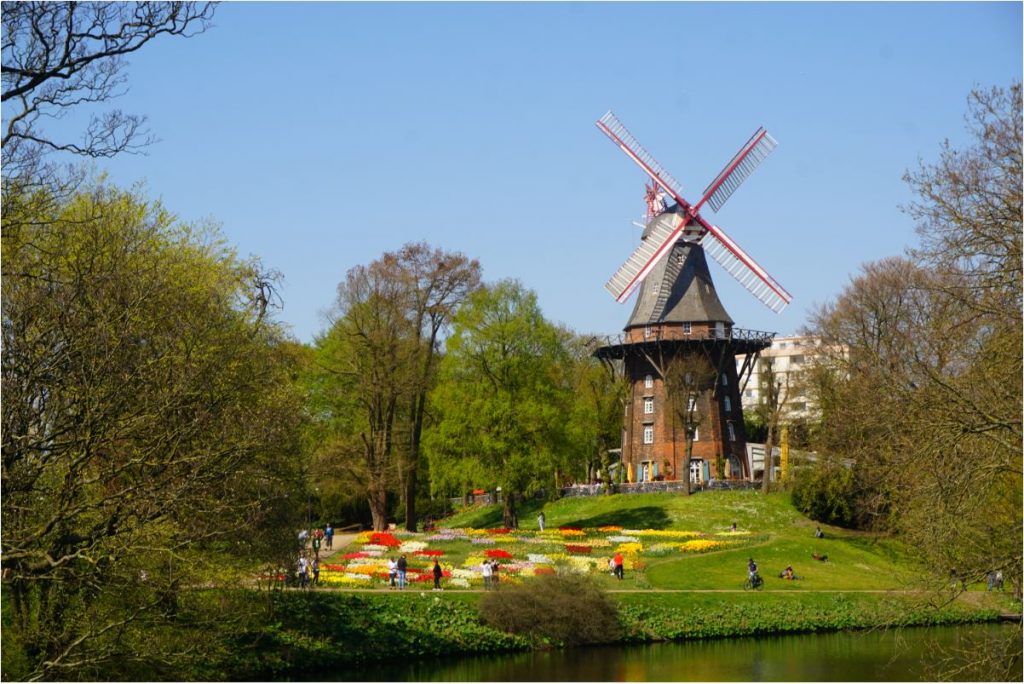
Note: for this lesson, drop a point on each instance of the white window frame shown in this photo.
(648, 381)
(687, 328)
(648, 405)
(732, 432)
(648, 434)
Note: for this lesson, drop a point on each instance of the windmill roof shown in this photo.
(679, 289)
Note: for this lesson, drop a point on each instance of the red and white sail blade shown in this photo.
(744, 269)
(659, 241)
(619, 135)
(736, 171)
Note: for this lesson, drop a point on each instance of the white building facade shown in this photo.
(789, 357)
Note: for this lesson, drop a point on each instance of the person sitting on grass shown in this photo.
(788, 574)
(819, 557)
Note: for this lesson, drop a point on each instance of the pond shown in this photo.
(912, 654)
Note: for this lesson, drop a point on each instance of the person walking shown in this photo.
(303, 572)
(540, 521)
(316, 572)
(485, 572)
(438, 574)
(494, 574)
(329, 536)
(402, 567)
(619, 566)
(316, 544)
(392, 571)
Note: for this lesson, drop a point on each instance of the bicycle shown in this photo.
(753, 583)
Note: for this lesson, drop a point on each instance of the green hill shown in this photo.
(770, 530)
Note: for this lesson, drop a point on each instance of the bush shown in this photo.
(569, 610)
(825, 492)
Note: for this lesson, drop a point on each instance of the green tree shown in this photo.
(594, 425)
(501, 396)
(149, 437)
(363, 381)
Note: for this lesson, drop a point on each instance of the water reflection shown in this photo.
(883, 655)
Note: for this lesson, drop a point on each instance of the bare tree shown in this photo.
(690, 384)
(773, 400)
(58, 56)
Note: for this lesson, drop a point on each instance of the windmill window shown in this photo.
(648, 434)
(647, 331)
(696, 434)
(648, 404)
(649, 381)
(727, 404)
(725, 380)
(732, 433)
(687, 328)
(692, 405)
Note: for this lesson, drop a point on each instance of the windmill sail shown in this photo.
(621, 136)
(744, 269)
(738, 169)
(658, 242)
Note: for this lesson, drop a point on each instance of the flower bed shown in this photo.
(578, 548)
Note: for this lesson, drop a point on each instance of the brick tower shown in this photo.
(678, 314)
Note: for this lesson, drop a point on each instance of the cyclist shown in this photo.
(752, 570)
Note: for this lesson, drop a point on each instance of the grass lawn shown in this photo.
(670, 542)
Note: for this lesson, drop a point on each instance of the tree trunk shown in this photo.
(686, 464)
(509, 511)
(410, 499)
(768, 461)
(378, 500)
(412, 465)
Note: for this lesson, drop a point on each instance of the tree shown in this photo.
(58, 56)
(690, 384)
(364, 379)
(377, 364)
(501, 398)
(436, 283)
(924, 389)
(773, 399)
(148, 438)
(594, 426)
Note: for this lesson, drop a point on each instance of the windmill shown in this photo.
(690, 224)
(678, 317)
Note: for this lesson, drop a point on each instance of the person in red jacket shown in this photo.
(618, 565)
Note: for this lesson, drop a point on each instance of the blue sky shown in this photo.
(322, 134)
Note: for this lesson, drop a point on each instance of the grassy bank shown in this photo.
(670, 593)
(330, 631)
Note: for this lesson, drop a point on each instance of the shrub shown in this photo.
(561, 609)
(825, 492)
